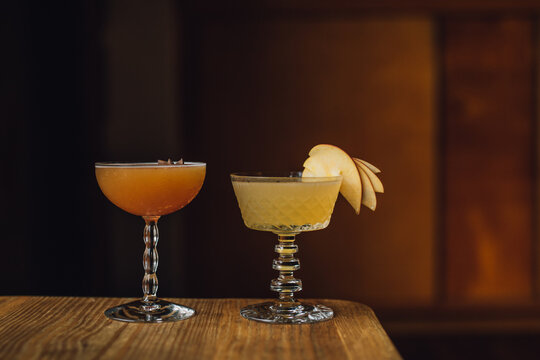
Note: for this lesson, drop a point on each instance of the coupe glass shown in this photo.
(286, 205)
(150, 190)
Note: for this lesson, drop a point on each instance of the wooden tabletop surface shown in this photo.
(75, 328)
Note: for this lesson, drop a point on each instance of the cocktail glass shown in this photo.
(286, 205)
(150, 190)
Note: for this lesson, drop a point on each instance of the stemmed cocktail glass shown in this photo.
(150, 190)
(286, 205)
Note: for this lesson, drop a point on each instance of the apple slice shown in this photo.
(318, 167)
(368, 193)
(308, 173)
(377, 184)
(371, 167)
(329, 160)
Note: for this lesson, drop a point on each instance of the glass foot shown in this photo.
(304, 314)
(157, 312)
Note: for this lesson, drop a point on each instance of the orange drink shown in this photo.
(150, 189)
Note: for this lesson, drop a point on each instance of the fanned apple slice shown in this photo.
(370, 166)
(377, 184)
(368, 193)
(308, 173)
(329, 160)
(317, 167)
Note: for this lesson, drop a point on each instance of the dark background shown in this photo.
(442, 97)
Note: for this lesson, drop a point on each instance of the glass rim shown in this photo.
(154, 164)
(262, 176)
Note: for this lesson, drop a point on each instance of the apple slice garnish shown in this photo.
(329, 160)
(371, 167)
(377, 184)
(368, 194)
(359, 183)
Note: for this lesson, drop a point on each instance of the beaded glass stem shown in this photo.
(286, 284)
(286, 309)
(150, 308)
(150, 259)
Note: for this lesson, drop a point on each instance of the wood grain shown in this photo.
(488, 159)
(75, 328)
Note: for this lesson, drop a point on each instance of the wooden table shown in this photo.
(72, 328)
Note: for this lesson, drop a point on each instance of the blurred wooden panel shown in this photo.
(536, 241)
(488, 172)
(262, 93)
(386, 6)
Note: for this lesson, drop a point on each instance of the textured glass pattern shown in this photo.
(286, 206)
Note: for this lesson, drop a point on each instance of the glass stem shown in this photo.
(286, 284)
(150, 260)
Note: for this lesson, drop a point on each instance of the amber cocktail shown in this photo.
(150, 190)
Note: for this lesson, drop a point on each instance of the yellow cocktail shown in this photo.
(150, 190)
(286, 206)
(292, 204)
(302, 201)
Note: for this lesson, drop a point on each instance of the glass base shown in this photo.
(157, 312)
(268, 312)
